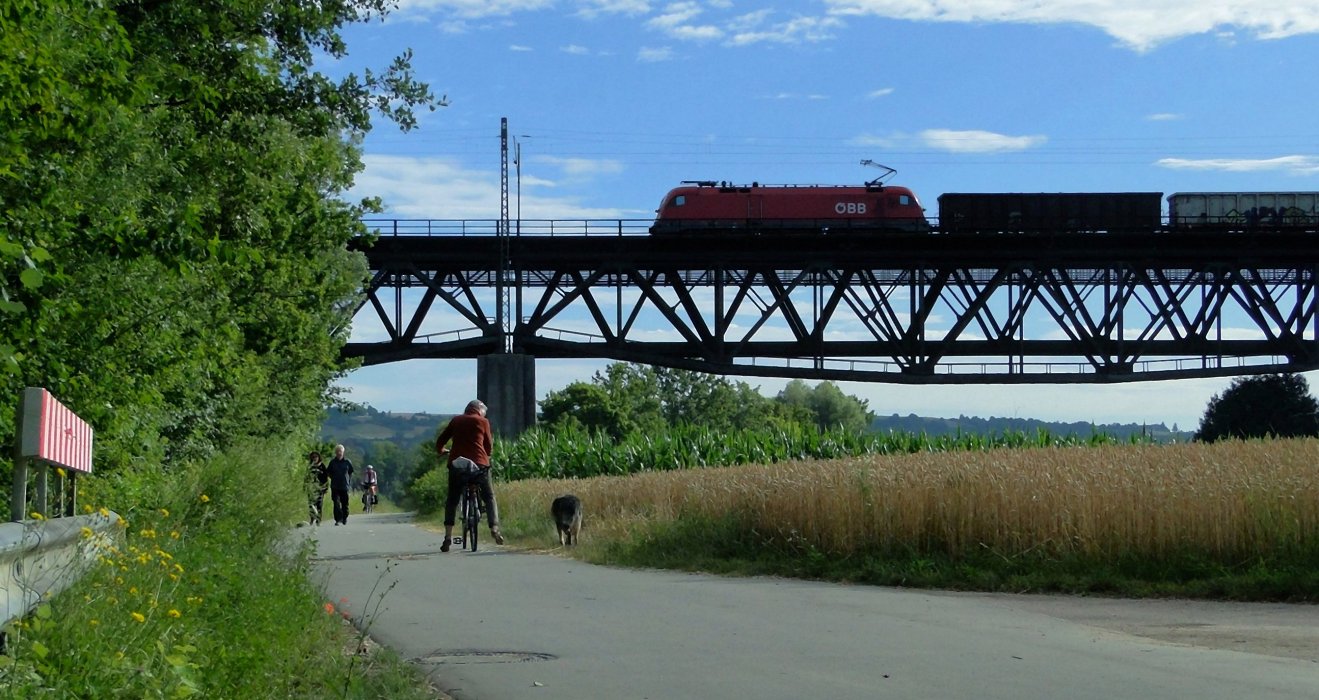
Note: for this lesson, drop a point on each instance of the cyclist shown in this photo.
(472, 439)
(369, 484)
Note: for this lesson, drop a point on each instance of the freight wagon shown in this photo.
(1019, 212)
(703, 206)
(1243, 210)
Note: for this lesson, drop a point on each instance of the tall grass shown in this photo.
(1175, 512)
(200, 593)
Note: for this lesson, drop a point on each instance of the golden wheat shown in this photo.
(1227, 500)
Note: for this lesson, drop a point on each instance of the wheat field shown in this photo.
(1230, 501)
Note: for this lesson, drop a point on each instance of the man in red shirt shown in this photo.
(472, 439)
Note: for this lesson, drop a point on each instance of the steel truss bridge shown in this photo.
(910, 308)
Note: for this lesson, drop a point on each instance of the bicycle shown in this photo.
(369, 499)
(471, 512)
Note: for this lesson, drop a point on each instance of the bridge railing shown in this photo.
(522, 227)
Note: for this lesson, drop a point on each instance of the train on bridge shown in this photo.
(709, 206)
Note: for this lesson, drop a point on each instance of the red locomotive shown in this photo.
(700, 206)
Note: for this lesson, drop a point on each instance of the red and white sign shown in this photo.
(53, 433)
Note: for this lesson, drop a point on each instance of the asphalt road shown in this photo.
(502, 624)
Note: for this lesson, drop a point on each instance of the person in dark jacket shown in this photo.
(341, 475)
(472, 440)
(318, 481)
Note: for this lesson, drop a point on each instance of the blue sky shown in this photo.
(613, 102)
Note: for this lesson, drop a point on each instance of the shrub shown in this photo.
(429, 491)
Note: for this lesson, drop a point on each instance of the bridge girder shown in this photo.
(900, 308)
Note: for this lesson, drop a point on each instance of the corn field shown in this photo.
(561, 455)
(1230, 501)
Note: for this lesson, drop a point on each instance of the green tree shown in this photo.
(583, 406)
(696, 398)
(173, 227)
(635, 393)
(1277, 405)
(626, 399)
(825, 406)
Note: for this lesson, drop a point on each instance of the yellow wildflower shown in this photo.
(175, 613)
(93, 622)
(104, 512)
(164, 512)
(205, 498)
(36, 516)
(85, 531)
(139, 617)
(59, 471)
(87, 509)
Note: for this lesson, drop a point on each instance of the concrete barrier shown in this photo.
(43, 557)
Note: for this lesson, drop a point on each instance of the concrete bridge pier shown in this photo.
(506, 382)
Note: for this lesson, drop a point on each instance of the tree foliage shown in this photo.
(826, 406)
(1273, 405)
(173, 228)
(631, 399)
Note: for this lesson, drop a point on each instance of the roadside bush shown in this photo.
(429, 491)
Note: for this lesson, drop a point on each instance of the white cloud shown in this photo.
(882, 92)
(1164, 117)
(1139, 24)
(675, 21)
(441, 188)
(880, 141)
(975, 141)
(795, 31)
(749, 21)
(1297, 165)
(797, 96)
(654, 55)
(519, 48)
(472, 9)
(590, 9)
(582, 167)
(575, 50)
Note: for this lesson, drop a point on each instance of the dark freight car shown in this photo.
(1057, 212)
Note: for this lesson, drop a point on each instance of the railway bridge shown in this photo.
(896, 307)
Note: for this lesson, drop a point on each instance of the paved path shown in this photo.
(501, 624)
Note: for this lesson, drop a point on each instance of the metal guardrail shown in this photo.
(39, 558)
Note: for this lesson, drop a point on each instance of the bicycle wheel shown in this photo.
(471, 517)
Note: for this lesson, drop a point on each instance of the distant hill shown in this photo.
(356, 429)
(968, 425)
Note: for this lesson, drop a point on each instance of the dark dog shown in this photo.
(567, 512)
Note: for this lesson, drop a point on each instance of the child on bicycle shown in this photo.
(472, 439)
